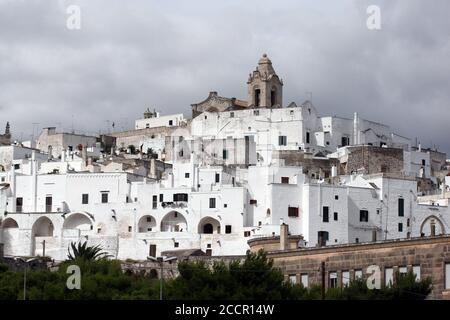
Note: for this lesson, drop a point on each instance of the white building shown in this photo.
(155, 120)
(223, 186)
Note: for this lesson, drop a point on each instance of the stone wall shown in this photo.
(372, 160)
(431, 254)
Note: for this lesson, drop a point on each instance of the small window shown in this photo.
(345, 278)
(161, 197)
(285, 180)
(335, 216)
(176, 244)
(401, 207)
(84, 198)
(400, 227)
(105, 197)
(336, 197)
(304, 280)
(155, 202)
(231, 114)
(224, 154)
(364, 216)
(149, 219)
(212, 203)
(228, 228)
(333, 279)
(186, 175)
(99, 230)
(325, 215)
(447, 276)
(388, 277)
(356, 240)
(293, 278)
(253, 201)
(256, 112)
(170, 122)
(308, 138)
(358, 274)
(17, 166)
(293, 212)
(246, 233)
(423, 162)
(130, 228)
(416, 272)
(147, 125)
(217, 178)
(19, 204)
(282, 140)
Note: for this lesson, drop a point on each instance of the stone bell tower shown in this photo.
(265, 88)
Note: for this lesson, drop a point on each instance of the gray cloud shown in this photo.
(169, 54)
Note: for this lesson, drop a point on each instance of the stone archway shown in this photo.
(42, 234)
(147, 223)
(432, 225)
(77, 224)
(10, 236)
(209, 225)
(174, 222)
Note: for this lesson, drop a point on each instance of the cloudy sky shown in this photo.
(129, 55)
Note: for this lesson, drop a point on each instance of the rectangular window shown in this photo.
(333, 279)
(416, 271)
(358, 274)
(170, 122)
(345, 278)
(282, 140)
(48, 203)
(292, 211)
(447, 276)
(253, 201)
(388, 277)
(212, 203)
(308, 138)
(84, 198)
(217, 177)
(335, 216)
(423, 162)
(246, 233)
(364, 216)
(19, 204)
(401, 207)
(104, 197)
(180, 197)
(304, 279)
(155, 202)
(186, 175)
(161, 197)
(325, 215)
(130, 228)
(224, 154)
(336, 197)
(231, 114)
(345, 141)
(293, 278)
(228, 228)
(400, 227)
(403, 270)
(285, 180)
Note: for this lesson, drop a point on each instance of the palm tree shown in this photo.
(81, 250)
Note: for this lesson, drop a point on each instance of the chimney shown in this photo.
(152, 173)
(284, 236)
(84, 155)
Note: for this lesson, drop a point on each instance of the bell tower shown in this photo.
(265, 88)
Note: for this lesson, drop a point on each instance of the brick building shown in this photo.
(426, 257)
